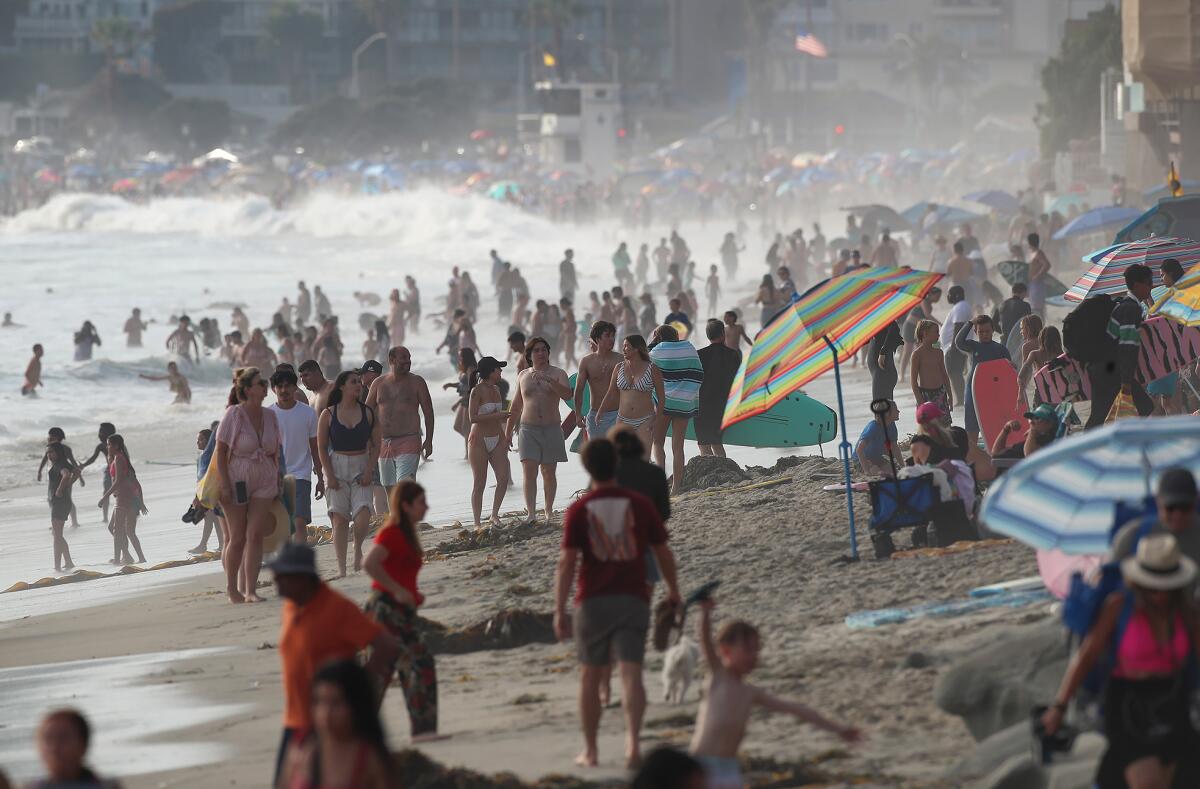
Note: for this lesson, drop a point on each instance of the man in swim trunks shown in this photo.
(540, 440)
(33, 373)
(314, 380)
(397, 397)
(183, 341)
(595, 372)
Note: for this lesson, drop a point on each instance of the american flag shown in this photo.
(810, 45)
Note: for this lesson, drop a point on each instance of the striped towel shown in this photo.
(682, 375)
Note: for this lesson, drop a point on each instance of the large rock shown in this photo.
(710, 471)
(1009, 672)
(1019, 770)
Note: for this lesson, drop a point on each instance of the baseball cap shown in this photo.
(371, 366)
(1176, 486)
(1044, 411)
(294, 559)
(487, 364)
(929, 412)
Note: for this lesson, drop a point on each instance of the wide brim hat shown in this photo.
(1159, 565)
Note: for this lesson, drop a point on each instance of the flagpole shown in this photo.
(844, 447)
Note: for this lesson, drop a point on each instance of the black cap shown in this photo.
(487, 364)
(294, 559)
(1176, 486)
(371, 367)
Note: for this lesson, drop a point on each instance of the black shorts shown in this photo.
(60, 508)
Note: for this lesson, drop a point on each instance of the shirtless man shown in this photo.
(33, 373)
(314, 380)
(303, 304)
(540, 439)
(257, 353)
(183, 341)
(178, 382)
(396, 317)
(959, 269)
(516, 347)
(595, 372)
(396, 398)
(134, 328)
(735, 333)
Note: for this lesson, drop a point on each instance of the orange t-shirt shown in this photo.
(330, 627)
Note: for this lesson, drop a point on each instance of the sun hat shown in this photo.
(1176, 486)
(1159, 564)
(294, 559)
(929, 412)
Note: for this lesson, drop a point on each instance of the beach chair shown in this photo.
(915, 503)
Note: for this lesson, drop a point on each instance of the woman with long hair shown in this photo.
(466, 381)
(126, 491)
(62, 476)
(767, 298)
(1048, 348)
(85, 339)
(682, 375)
(487, 444)
(393, 564)
(247, 455)
(348, 444)
(347, 745)
(635, 390)
(1150, 630)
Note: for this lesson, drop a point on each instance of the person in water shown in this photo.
(178, 383)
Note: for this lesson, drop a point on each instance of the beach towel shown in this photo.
(682, 375)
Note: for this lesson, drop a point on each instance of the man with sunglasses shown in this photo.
(1176, 500)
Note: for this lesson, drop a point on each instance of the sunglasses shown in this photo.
(1184, 507)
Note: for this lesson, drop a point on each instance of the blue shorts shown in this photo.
(598, 424)
(303, 501)
(401, 467)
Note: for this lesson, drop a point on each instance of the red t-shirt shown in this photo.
(402, 563)
(612, 528)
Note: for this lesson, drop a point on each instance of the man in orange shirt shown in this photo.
(319, 627)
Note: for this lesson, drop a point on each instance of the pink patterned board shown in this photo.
(1066, 382)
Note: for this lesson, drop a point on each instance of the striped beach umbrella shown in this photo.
(790, 350)
(1065, 496)
(1107, 272)
(1180, 303)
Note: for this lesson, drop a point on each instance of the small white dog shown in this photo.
(679, 663)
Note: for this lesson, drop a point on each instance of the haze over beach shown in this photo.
(911, 292)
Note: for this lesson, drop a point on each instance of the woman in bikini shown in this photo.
(348, 443)
(486, 444)
(633, 383)
(127, 492)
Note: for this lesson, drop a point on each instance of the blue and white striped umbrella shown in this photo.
(1065, 496)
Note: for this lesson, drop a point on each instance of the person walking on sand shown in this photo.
(393, 563)
(921, 312)
(595, 373)
(486, 443)
(347, 746)
(63, 737)
(33, 373)
(129, 502)
(1039, 268)
(635, 391)
(682, 376)
(958, 317)
(61, 477)
(212, 518)
(881, 361)
(247, 455)
(106, 429)
(606, 534)
(182, 341)
(134, 327)
(536, 420)
(929, 379)
(348, 446)
(178, 383)
(729, 700)
(56, 436)
(303, 303)
(318, 626)
(735, 333)
(569, 332)
(314, 380)
(298, 430)
(720, 363)
(401, 399)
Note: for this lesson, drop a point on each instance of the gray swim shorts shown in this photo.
(543, 444)
(599, 423)
(611, 626)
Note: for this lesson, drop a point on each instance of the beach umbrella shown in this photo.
(1065, 496)
(1098, 220)
(881, 215)
(125, 185)
(1180, 303)
(995, 198)
(1057, 568)
(1107, 271)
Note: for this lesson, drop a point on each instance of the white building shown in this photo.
(66, 25)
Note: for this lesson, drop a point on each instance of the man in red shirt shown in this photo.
(319, 626)
(606, 534)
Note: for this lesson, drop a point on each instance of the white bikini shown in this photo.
(490, 442)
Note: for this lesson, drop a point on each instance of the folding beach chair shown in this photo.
(915, 503)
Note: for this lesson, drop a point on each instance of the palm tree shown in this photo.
(556, 15)
(293, 30)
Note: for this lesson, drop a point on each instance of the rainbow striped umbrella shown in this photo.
(1107, 272)
(790, 350)
(1180, 303)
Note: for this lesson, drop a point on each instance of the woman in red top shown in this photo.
(127, 491)
(393, 563)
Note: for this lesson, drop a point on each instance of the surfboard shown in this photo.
(796, 421)
(1062, 380)
(854, 486)
(568, 423)
(994, 391)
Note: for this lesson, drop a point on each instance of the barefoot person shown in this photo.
(248, 446)
(393, 563)
(595, 372)
(211, 522)
(720, 364)
(314, 380)
(56, 436)
(729, 700)
(487, 444)
(126, 492)
(61, 477)
(298, 429)
(178, 382)
(929, 378)
(606, 534)
(682, 376)
(106, 429)
(400, 399)
(33, 373)
(347, 444)
(635, 390)
(535, 417)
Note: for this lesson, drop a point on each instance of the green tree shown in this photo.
(1071, 81)
(556, 15)
(293, 31)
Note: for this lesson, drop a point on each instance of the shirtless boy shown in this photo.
(397, 397)
(930, 381)
(33, 373)
(182, 341)
(535, 412)
(595, 372)
(57, 436)
(729, 700)
(735, 333)
(178, 382)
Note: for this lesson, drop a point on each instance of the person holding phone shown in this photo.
(248, 445)
(348, 446)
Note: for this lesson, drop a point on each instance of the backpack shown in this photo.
(1085, 330)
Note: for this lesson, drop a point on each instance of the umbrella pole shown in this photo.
(844, 448)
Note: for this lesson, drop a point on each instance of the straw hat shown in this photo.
(1159, 564)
